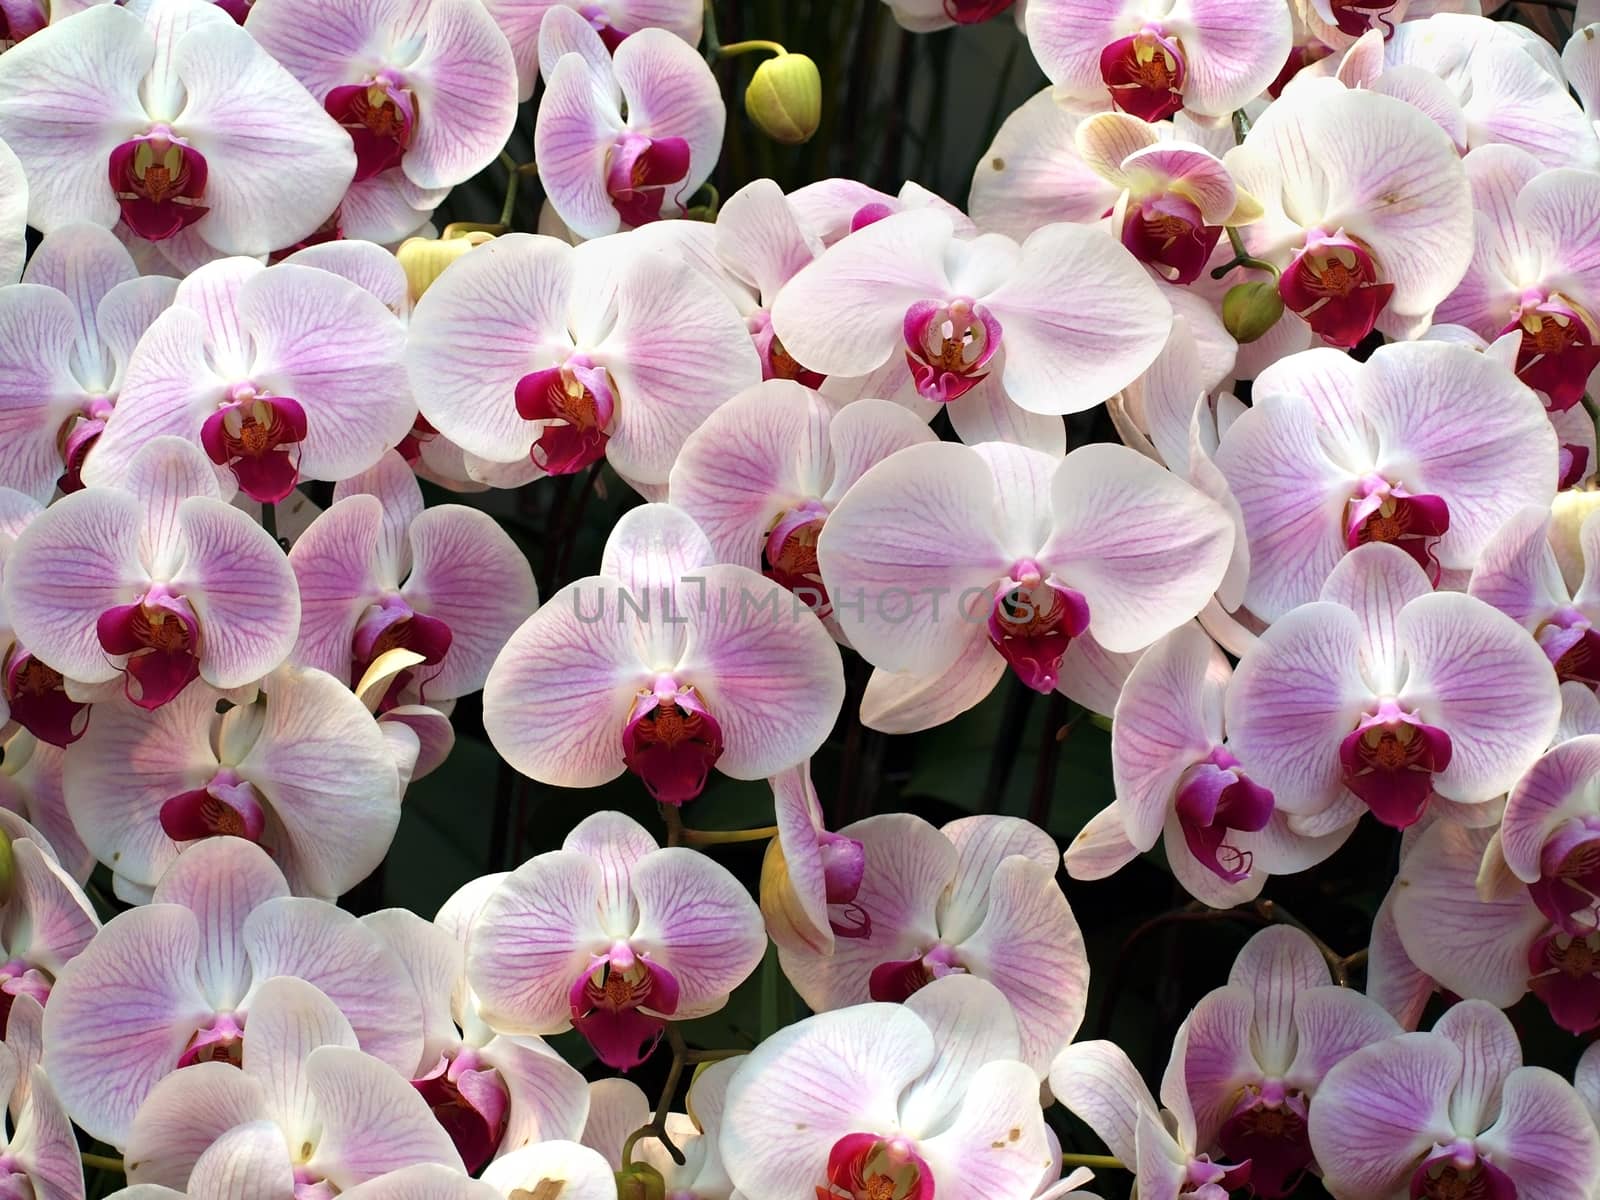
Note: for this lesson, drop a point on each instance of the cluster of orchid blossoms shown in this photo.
(1331, 266)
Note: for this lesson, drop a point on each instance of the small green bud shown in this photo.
(1250, 309)
(7, 866)
(784, 98)
(640, 1181)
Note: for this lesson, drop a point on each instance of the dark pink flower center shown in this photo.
(222, 1041)
(579, 400)
(1032, 624)
(776, 361)
(1573, 647)
(868, 1166)
(844, 865)
(226, 807)
(76, 437)
(160, 635)
(1564, 972)
(1574, 465)
(671, 742)
(607, 1003)
(1145, 73)
(1568, 888)
(470, 1100)
(1355, 17)
(394, 625)
(1390, 760)
(258, 438)
(159, 182)
(1333, 285)
(1557, 352)
(947, 346)
(1386, 513)
(640, 170)
(1168, 234)
(1215, 799)
(1457, 1173)
(380, 116)
(789, 554)
(410, 446)
(971, 12)
(20, 978)
(892, 982)
(1267, 1129)
(38, 699)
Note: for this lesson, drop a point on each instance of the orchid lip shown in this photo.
(1558, 349)
(1167, 233)
(1564, 972)
(159, 181)
(620, 1005)
(639, 172)
(1333, 284)
(1459, 1171)
(258, 437)
(671, 741)
(578, 400)
(221, 1041)
(789, 553)
(1214, 799)
(948, 344)
(1385, 512)
(1389, 762)
(227, 806)
(894, 981)
(470, 1101)
(1032, 625)
(37, 696)
(870, 1166)
(380, 115)
(1146, 73)
(160, 637)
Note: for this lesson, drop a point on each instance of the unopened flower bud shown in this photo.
(1250, 309)
(640, 1181)
(424, 259)
(784, 98)
(7, 866)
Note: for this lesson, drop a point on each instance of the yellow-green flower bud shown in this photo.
(1250, 309)
(424, 259)
(7, 866)
(640, 1181)
(784, 98)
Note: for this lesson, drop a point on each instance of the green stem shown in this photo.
(1241, 258)
(657, 1128)
(269, 519)
(101, 1162)
(1241, 126)
(513, 185)
(724, 837)
(733, 50)
(675, 829)
(1105, 1162)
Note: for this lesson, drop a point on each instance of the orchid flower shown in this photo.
(178, 982)
(1367, 212)
(13, 209)
(31, 787)
(1152, 58)
(303, 1112)
(45, 922)
(527, 346)
(378, 572)
(810, 878)
(946, 563)
(1179, 782)
(762, 474)
(156, 580)
(280, 373)
(613, 20)
(613, 935)
(897, 1101)
(665, 664)
(1452, 1113)
(1518, 574)
(1370, 463)
(492, 1094)
(979, 897)
(622, 141)
(1064, 320)
(39, 1153)
(297, 765)
(70, 332)
(1254, 1053)
(701, 1176)
(178, 119)
(1386, 694)
(428, 87)
(1533, 271)
(32, 695)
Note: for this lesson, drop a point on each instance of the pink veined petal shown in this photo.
(1331, 1023)
(845, 313)
(801, 918)
(84, 262)
(1032, 174)
(120, 1014)
(1234, 49)
(1473, 947)
(336, 569)
(759, 238)
(1098, 1083)
(1030, 947)
(38, 332)
(1517, 572)
(651, 548)
(242, 590)
(72, 563)
(902, 702)
(13, 215)
(567, 32)
(1275, 966)
(697, 921)
(1376, 582)
(1101, 848)
(386, 208)
(434, 959)
(1199, 880)
(982, 843)
(572, 137)
(1295, 694)
(395, 485)
(467, 572)
(69, 98)
(1489, 1053)
(1587, 1078)
(535, 934)
(1167, 720)
(45, 1142)
(976, 1157)
(1066, 36)
(166, 472)
(1393, 980)
(1476, 673)
(348, 964)
(1541, 1137)
(1216, 1061)
(618, 843)
(988, 414)
(923, 524)
(558, 695)
(1188, 171)
(463, 81)
(277, 163)
(248, 1162)
(1121, 523)
(370, 267)
(373, 1121)
(670, 92)
(616, 1108)
(549, 1099)
(184, 1116)
(832, 1074)
(1093, 676)
(1059, 358)
(1552, 789)
(222, 881)
(1381, 1110)
(1513, 98)
(767, 669)
(1024, 480)
(1329, 381)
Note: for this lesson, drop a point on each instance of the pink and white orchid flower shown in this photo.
(45, 922)
(175, 120)
(378, 572)
(1064, 320)
(528, 348)
(665, 664)
(978, 897)
(947, 563)
(1335, 454)
(614, 935)
(33, 696)
(1254, 1053)
(810, 878)
(1179, 782)
(13, 213)
(613, 20)
(156, 581)
(177, 982)
(304, 1112)
(39, 1154)
(1388, 695)
(280, 373)
(492, 1094)
(1367, 211)
(1535, 271)
(622, 141)
(1152, 58)
(427, 87)
(70, 335)
(1453, 1113)
(297, 765)
(896, 1101)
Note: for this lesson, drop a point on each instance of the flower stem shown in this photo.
(513, 185)
(657, 1128)
(734, 49)
(1104, 1161)
(269, 519)
(102, 1162)
(1241, 258)
(723, 837)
